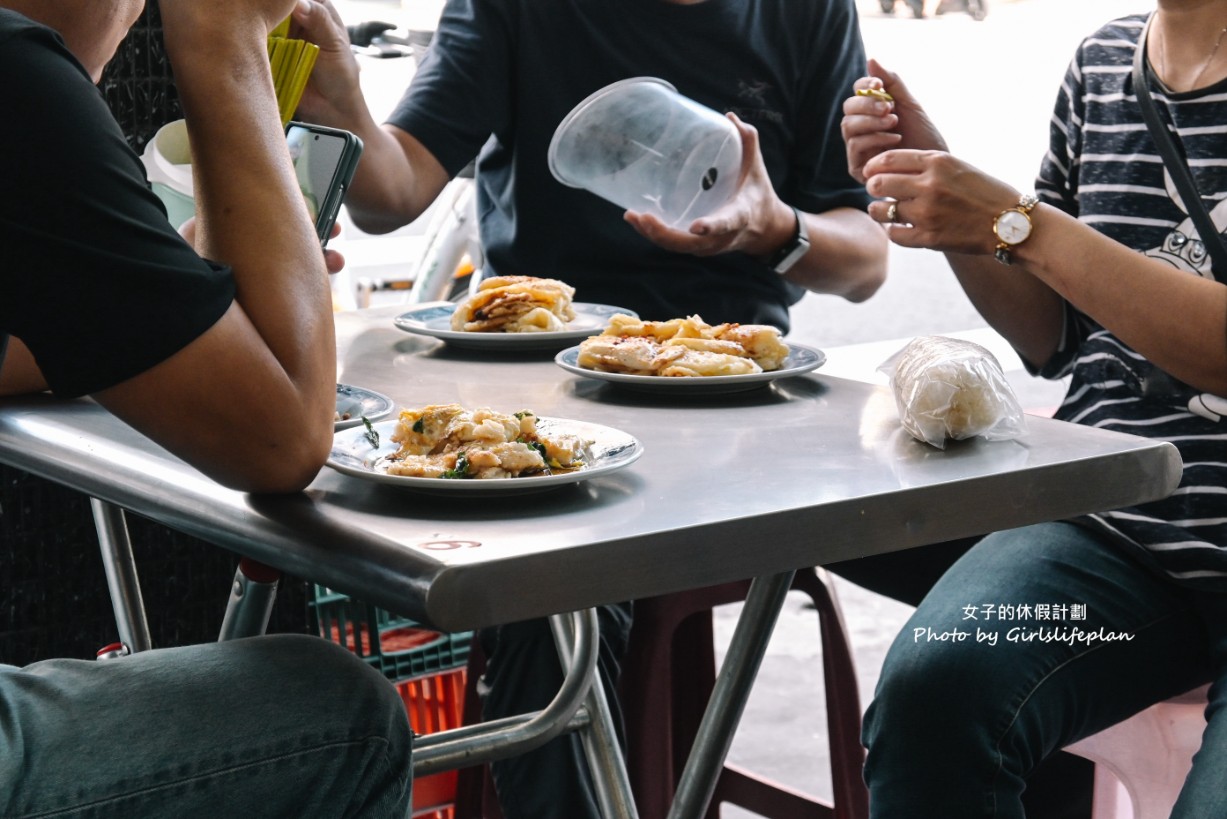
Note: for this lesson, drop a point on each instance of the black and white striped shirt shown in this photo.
(1103, 168)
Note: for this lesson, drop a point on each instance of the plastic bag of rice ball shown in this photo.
(948, 389)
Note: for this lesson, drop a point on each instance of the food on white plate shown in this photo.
(516, 304)
(682, 347)
(449, 441)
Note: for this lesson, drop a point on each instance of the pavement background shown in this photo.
(990, 86)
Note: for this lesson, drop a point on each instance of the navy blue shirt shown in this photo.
(501, 74)
(1103, 168)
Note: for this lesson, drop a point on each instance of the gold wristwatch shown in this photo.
(1012, 227)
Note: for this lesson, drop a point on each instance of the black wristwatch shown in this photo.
(793, 251)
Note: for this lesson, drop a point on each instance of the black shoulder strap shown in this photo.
(1175, 163)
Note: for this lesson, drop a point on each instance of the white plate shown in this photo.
(610, 450)
(357, 402)
(434, 319)
(801, 359)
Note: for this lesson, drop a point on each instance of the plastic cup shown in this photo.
(168, 163)
(643, 146)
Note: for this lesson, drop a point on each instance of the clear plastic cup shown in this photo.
(643, 146)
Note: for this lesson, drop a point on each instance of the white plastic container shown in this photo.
(168, 163)
(641, 145)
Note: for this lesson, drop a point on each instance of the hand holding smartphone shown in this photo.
(324, 161)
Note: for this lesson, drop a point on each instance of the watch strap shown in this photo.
(794, 250)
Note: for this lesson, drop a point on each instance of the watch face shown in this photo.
(1012, 227)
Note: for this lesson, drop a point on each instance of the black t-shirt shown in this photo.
(93, 279)
(501, 74)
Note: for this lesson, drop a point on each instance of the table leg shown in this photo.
(728, 699)
(511, 736)
(252, 594)
(600, 739)
(122, 580)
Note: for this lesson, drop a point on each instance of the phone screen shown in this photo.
(317, 159)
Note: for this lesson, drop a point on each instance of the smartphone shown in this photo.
(324, 161)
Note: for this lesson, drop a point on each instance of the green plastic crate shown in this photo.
(398, 647)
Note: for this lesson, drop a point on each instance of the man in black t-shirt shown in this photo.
(498, 78)
(228, 363)
(500, 75)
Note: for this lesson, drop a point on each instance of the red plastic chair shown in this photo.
(667, 675)
(669, 672)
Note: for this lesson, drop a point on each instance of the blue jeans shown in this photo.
(277, 726)
(971, 700)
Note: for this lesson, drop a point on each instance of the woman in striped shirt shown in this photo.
(1103, 279)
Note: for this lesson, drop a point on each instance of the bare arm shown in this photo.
(847, 255)
(397, 177)
(944, 204)
(947, 205)
(251, 401)
(1176, 319)
(19, 374)
(1027, 312)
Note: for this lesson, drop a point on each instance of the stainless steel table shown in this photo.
(806, 471)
